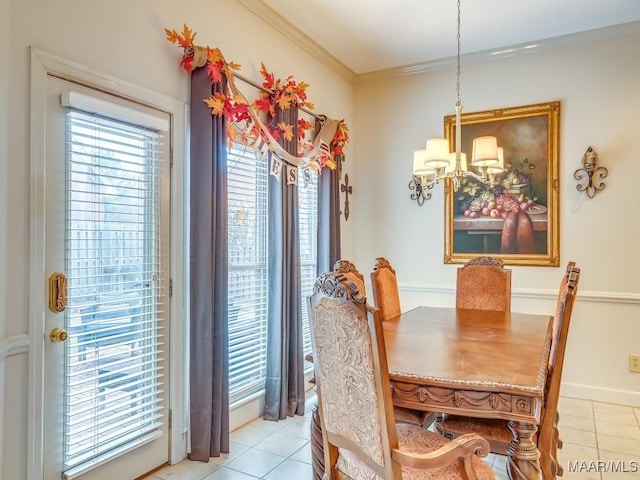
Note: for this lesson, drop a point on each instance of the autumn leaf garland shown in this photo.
(185, 40)
(241, 128)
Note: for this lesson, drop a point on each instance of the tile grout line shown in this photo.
(595, 429)
(272, 432)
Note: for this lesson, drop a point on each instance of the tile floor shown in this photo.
(592, 432)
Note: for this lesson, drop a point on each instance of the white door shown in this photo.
(106, 257)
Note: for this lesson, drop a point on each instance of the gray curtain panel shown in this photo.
(284, 387)
(328, 219)
(209, 351)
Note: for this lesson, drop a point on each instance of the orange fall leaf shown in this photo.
(216, 103)
(187, 35)
(214, 55)
(284, 101)
(287, 131)
(172, 35)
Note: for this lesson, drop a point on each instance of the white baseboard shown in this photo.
(251, 408)
(601, 394)
(246, 411)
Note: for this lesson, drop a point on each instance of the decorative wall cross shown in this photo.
(346, 188)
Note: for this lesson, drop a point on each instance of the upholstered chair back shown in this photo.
(385, 289)
(561, 307)
(484, 284)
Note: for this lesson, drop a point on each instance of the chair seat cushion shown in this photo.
(407, 415)
(413, 439)
(492, 429)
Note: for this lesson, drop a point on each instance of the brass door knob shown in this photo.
(58, 335)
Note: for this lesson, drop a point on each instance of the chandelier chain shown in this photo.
(433, 164)
(458, 60)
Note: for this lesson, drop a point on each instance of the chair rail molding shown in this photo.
(535, 293)
(13, 345)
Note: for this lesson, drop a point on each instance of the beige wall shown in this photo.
(4, 117)
(597, 85)
(124, 39)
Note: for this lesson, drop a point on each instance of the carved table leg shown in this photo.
(523, 461)
(317, 447)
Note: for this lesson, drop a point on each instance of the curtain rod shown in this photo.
(270, 92)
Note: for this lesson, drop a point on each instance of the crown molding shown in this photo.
(631, 28)
(297, 36)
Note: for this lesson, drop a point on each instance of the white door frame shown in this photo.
(42, 65)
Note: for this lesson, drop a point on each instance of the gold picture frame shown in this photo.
(529, 137)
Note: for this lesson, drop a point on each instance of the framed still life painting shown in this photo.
(514, 217)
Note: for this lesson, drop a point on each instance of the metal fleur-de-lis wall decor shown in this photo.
(594, 174)
(348, 190)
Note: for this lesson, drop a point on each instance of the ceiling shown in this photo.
(368, 36)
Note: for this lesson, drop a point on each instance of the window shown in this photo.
(248, 275)
(248, 267)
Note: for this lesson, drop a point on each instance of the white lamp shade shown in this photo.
(499, 167)
(485, 151)
(437, 152)
(452, 165)
(419, 167)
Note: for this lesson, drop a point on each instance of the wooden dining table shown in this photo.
(476, 363)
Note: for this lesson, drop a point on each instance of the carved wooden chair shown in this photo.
(497, 432)
(385, 289)
(361, 439)
(548, 436)
(402, 414)
(484, 284)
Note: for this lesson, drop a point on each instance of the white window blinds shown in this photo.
(113, 380)
(308, 199)
(248, 280)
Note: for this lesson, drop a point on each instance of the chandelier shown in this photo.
(435, 162)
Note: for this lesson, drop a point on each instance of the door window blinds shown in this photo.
(113, 380)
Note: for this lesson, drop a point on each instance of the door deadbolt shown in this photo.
(57, 292)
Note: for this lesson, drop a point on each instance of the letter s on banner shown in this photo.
(306, 176)
(292, 175)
